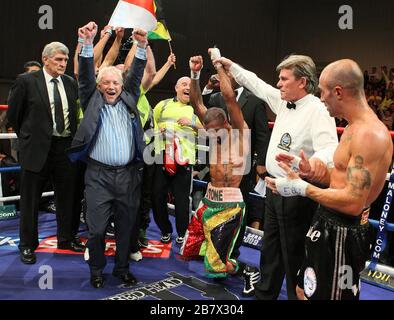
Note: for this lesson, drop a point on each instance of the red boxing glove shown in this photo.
(169, 158)
(172, 157)
(178, 153)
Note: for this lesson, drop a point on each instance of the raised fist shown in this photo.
(196, 63)
(81, 33)
(213, 82)
(102, 33)
(90, 30)
(119, 32)
(141, 36)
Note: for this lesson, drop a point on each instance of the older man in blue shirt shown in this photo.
(110, 140)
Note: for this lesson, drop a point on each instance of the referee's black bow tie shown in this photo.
(291, 105)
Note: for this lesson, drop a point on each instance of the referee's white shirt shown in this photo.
(308, 127)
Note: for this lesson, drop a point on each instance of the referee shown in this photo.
(302, 123)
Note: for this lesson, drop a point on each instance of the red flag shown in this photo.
(134, 14)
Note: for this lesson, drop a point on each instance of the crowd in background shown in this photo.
(379, 91)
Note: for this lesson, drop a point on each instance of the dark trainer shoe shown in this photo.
(28, 256)
(97, 282)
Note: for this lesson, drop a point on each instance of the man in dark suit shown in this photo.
(42, 111)
(254, 113)
(111, 140)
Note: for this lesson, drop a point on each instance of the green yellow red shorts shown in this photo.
(214, 229)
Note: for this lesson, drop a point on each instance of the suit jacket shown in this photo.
(30, 115)
(254, 112)
(92, 101)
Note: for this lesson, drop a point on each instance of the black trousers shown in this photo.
(286, 223)
(59, 169)
(180, 184)
(245, 186)
(79, 192)
(143, 219)
(111, 191)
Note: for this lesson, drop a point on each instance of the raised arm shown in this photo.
(163, 70)
(99, 47)
(150, 70)
(75, 60)
(233, 108)
(134, 75)
(385, 76)
(87, 78)
(196, 64)
(254, 84)
(114, 51)
(130, 57)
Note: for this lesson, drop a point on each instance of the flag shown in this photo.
(160, 33)
(134, 14)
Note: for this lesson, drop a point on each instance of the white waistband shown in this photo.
(215, 194)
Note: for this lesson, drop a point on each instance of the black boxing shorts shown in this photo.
(336, 249)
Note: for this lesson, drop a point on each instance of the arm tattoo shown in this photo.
(348, 138)
(358, 177)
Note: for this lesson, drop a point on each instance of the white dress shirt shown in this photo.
(309, 127)
(238, 91)
(63, 96)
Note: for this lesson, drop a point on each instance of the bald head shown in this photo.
(182, 80)
(182, 89)
(345, 73)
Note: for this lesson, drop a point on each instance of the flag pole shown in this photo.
(169, 44)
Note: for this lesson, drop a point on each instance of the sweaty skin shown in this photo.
(228, 155)
(365, 150)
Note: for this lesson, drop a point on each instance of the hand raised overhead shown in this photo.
(221, 61)
(141, 36)
(171, 59)
(196, 63)
(88, 32)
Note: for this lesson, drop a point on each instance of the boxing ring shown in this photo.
(375, 273)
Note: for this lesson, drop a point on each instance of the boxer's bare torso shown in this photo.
(351, 167)
(227, 160)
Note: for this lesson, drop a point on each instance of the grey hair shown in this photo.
(52, 48)
(303, 67)
(112, 70)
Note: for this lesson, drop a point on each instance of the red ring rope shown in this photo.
(271, 124)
